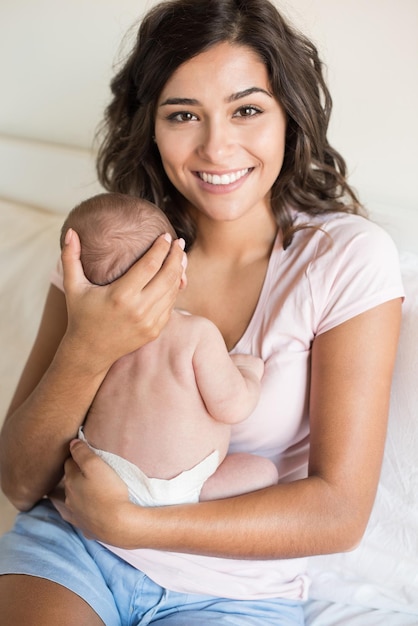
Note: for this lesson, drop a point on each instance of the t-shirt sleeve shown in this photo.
(57, 276)
(356, 268)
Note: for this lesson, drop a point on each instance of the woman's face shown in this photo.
(221, 132)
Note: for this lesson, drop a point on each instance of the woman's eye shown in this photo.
(182, 116)
(248, 111)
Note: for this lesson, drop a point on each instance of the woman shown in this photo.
(220, 116)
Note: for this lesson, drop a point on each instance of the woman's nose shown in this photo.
(216, 141)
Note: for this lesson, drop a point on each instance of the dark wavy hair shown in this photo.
(313, 175)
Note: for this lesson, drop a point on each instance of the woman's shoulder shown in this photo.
(339, 223)
(353, 266)
(342, 234)
(352, 224)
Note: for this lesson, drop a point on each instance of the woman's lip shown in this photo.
(219, 188)
(223, 179)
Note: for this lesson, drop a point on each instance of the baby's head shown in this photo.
(115, 230)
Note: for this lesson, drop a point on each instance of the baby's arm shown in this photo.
(248, 365)
(229, 385)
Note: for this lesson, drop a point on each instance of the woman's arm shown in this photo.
(327, 512)
(70, 358)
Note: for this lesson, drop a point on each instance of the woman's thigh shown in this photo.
(33, 601)
(183, 610)
(46, 568)
(208, 618)
(48, 572)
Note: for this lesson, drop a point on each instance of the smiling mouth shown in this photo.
(223, 179)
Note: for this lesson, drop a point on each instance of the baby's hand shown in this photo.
(249, 362)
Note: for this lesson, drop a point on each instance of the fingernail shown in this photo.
(68, 236)
(181, 243)
(168, 237)
(184, 261)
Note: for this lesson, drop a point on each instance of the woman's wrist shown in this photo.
(81, 356)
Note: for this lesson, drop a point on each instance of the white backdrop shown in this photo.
(52, 91)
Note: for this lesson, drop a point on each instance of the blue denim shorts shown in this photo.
(42, 544)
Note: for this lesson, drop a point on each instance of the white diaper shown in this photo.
(182, 489)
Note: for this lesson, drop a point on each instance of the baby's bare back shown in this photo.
(149, 409)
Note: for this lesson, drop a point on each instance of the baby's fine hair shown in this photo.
(115, 230)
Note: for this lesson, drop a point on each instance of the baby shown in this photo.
(163, 414)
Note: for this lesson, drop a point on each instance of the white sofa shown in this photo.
(47, 120)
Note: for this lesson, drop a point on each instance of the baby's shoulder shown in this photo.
(196, 323)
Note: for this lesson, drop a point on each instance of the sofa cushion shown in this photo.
(44, 175)
(29, 248)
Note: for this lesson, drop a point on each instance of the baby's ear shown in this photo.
(183, 282)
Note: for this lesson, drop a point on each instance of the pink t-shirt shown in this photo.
(324, 278)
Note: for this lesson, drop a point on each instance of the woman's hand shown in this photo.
(95, 496)
(111, 321)
(79, 338)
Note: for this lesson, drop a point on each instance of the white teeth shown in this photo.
(224, 179)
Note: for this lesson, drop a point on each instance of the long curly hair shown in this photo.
(313, 175)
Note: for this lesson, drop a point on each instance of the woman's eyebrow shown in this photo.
(181, 101)
(232, 98)
(248, 92)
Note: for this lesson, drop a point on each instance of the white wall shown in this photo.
(56, 58)
(371, 51)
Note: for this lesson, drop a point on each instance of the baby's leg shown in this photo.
(239, 473)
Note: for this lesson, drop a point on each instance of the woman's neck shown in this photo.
(227, 267)
(236, 242)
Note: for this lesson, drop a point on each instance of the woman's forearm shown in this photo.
(35, 436)
(286, 521)
(309, 516)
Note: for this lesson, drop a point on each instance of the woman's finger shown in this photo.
(162, 290)
(71, 263)
(148, 266)
(81, 458)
